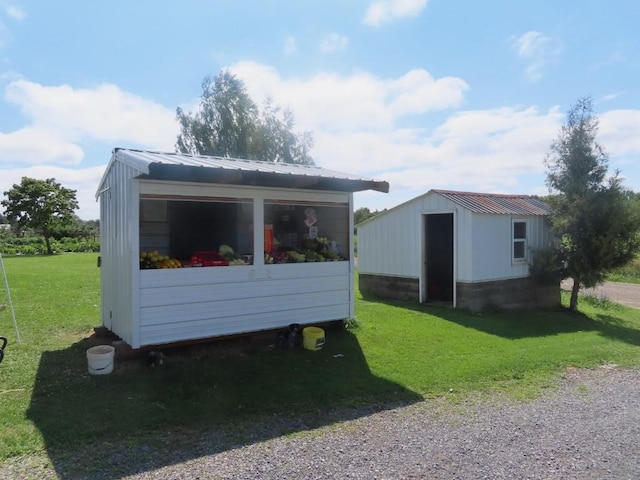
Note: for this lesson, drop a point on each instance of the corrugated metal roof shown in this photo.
(178, 166)
(497, 203)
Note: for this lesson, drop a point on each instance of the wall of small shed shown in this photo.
(491, 243)
(391, 243)
(118, 235)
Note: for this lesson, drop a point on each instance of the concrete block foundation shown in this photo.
(510, 294)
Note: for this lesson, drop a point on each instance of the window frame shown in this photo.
(520, 240)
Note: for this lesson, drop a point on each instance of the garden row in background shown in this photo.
(11, 245)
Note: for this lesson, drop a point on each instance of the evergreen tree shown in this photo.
(594, 217)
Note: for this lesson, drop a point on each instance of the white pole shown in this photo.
(6, 287)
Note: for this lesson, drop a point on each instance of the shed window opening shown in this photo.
(193, 233)
(519, 240)
(297, 232)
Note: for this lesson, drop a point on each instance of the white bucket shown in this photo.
(100, 359)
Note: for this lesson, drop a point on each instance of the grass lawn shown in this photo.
(400, 353)
(629, 273)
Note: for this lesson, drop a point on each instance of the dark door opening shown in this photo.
(439, 257)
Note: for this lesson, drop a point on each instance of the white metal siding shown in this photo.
(161, 306)
(392, 243)
(192, 303)
(464, 241)
(492, 246)
(387, 246)
(118, 241)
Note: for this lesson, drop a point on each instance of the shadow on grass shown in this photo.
(204, 399)
(528, 323)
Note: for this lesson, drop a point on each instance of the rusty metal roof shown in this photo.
(497, 203)
(234, 171)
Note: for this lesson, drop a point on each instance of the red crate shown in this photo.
(210, 259)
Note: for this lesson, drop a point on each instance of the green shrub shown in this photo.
(37, 246)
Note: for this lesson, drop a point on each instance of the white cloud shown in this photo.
(359, 124)
(611, 96)
(480, 150)
(101, 113)
(383, 11)
(15, 12)
(33, 145)
(290, 46)
(418, 92)
(360, 101)
(537, 50)
(333, 42)
(62, 120)
(619, 133)
(5, 34)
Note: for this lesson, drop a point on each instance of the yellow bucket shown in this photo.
(312, 338)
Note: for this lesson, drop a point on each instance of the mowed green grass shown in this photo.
(630, 273)
(399, 353)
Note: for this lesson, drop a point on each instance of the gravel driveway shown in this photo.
(587, 428)
(624, 293)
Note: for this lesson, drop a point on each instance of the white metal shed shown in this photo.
(158, 205)
(468, 249)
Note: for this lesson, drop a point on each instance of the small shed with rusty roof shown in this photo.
(470, 250)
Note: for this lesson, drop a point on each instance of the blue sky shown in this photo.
(455, 94)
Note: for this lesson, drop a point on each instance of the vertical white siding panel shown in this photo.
(118, 244)
(405, 228)
(352, 285)
(491, 247)
(464, 245)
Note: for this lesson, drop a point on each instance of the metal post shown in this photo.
(6, 287)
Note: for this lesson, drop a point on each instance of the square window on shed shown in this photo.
(519, 240)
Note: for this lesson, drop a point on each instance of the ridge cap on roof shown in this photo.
(480, 194)
(217, 157)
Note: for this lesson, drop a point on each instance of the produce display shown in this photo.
(154, 259)
(319, 249)
(313, 250)
(232, 257)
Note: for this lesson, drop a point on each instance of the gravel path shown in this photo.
(624, 293)
(590, 428)
(587, 428)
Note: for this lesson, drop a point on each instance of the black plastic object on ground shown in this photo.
(3, 342)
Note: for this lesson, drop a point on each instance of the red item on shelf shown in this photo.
(209, 259)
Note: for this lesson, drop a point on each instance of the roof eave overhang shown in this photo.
(225, 176)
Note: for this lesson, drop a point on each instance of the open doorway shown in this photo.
(438, 257)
